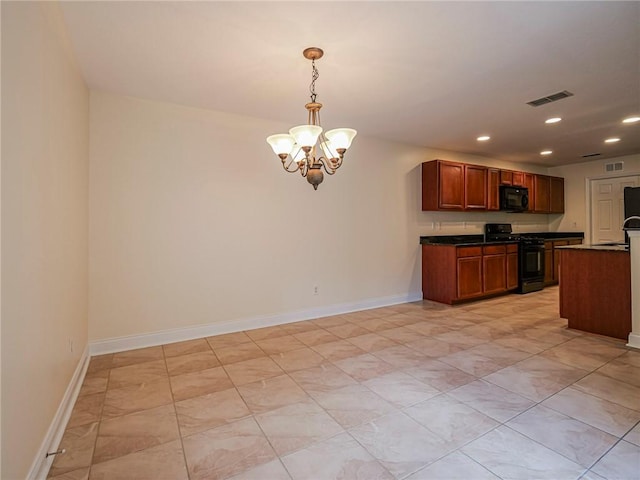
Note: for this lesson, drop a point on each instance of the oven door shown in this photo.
(531, 261)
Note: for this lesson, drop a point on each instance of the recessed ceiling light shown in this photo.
(483, 138)
(546, 152)
(552, 120)
(631, 120)
(612, 140)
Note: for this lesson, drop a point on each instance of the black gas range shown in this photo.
(530, 255)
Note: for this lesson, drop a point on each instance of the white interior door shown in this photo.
(607, 208)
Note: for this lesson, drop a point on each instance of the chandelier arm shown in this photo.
(287, 166)
(323, 161)
(304, 168)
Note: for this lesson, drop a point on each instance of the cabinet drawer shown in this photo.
(548, 245)
(559, 243)
(512, 248)
(494, 249)
(469, 251)
(577, 241)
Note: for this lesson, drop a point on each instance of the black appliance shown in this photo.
(631, 210)
(514, 199)
(632, 207)
(530, 255)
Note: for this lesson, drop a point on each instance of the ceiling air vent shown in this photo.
(614, 167)
(550, 98)
(591, 155)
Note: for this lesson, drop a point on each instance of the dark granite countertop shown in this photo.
(471, 240)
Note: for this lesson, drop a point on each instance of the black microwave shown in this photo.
(514, 199)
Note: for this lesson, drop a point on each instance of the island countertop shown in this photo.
(618, 247)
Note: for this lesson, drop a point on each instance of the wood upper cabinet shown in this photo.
(506, 177)
(556, 195)
(509, 177)
(453, 186)
(541, 187)
(475, 187)
(529, 184)
(518, 179)
(460, 186)
(442, 185)
(451, 180)
(493, 189)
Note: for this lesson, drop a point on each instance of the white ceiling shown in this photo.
(435, 74)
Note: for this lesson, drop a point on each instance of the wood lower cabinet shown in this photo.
(453, 274)
(512, 266)
(595, 291)
(469, 283)
(552, 259)
(494, 278)
(556, 258)
(548, 263)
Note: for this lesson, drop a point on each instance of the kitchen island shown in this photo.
(595, 289)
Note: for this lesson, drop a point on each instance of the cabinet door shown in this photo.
(506, 177)
(548, 262)
(518, 179)
(494, 273)
(469, 277)
(529, 183)
(475, 187)
(556, 258)
(512, 271)
(451, 185)
(541, 185)
(556, 195)
(493, 189)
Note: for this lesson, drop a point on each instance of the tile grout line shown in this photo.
(175, 411)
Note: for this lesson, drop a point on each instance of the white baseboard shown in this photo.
(41, 464)
(119, 344)
(634, 340)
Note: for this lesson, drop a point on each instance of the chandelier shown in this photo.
(306, 148)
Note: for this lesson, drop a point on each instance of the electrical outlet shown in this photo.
(315, 290)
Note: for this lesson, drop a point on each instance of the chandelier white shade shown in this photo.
(307, 149)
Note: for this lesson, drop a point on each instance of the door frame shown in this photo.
(589, 201)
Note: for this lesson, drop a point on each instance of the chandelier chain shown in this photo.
(314, 77)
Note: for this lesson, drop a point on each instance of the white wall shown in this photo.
(576, 177)
(44, 225)
(194, 222)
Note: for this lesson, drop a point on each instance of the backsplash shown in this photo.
(463, 223)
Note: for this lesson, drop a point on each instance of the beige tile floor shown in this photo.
(494, 389)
